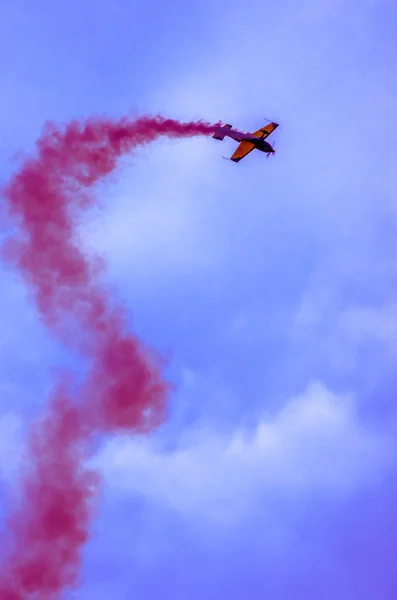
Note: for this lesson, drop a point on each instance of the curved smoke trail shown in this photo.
(124, 389)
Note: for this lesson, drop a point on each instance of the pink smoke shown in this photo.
(124, 388)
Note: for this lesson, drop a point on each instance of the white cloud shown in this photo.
(160, 218)
(163, 217)
(315, 444)
(328, 324)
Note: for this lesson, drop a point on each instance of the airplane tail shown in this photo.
(219, 135)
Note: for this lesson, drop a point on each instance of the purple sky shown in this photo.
(270, 284)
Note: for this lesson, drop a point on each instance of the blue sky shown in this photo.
(270, 285)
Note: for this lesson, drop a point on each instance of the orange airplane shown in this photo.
(248, 141)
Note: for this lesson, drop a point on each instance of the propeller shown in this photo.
(274, 149)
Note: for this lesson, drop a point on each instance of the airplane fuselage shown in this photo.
(259, 144)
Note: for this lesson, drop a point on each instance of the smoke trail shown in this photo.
(124, 388)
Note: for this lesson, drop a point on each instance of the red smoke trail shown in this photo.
(124, 388)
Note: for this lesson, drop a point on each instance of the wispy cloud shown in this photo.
(314, 445)
(158, 220)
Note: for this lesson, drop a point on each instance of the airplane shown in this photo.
(248, 141)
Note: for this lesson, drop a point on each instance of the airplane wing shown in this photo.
(265, 131)
(241, 151)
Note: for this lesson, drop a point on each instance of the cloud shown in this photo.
(336, 324)
(314, 445)
(159, 218)
(371, 324)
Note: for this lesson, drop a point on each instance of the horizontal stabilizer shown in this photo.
(219, 135)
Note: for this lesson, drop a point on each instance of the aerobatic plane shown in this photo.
(248, 141)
